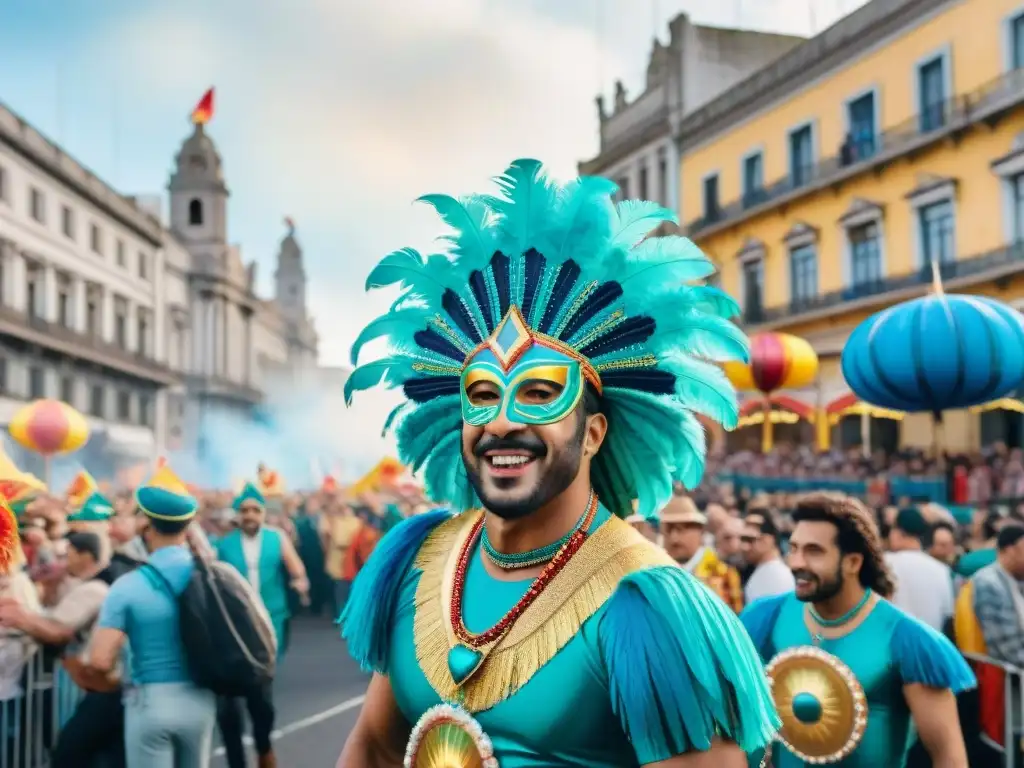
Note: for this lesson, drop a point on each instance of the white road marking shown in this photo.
(306, 722)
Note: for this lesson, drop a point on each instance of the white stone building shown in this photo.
(81, 296)
(638, 138)
(140, 324)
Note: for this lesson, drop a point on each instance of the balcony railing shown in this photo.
(984, 104)
(51, 335)
(1005, 260)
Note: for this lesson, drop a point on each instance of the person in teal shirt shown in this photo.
(552, 363)
(854, 677)
(266, 557)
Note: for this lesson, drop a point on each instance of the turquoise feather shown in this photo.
(419, 432)
(396, 413)
(391, 371)
(635, 219)
(703, 335)
(367, 619)
(528, 200)
(927, 657)
(703, 387)
(405, 267)
(660, 261)
(681, 670)
(402, 324)
(472, 220)
(758, 619)
(583, 218)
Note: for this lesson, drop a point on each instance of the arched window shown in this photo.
(195, 212)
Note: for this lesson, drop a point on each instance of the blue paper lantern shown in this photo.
(936, 353)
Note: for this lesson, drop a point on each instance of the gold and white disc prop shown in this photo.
(449, 737)
(822, 705)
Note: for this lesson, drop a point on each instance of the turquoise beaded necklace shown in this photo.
(534, 557)
(838, 622)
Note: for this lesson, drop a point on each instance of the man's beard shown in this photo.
(559, 475)
(825, 589)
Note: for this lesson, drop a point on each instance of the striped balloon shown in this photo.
(777, 361)
(49, 427)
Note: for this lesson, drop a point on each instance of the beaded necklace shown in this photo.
(838, 622)
(467, 655)
(517, 560)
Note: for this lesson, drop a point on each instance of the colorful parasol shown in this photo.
(936, 353)
(777, 361)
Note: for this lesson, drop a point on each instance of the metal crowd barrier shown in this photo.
(1001, 706)
(31, 718)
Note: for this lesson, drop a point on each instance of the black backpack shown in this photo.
(227, 635)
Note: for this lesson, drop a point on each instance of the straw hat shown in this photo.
(682, 510)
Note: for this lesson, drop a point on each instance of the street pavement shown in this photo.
(318, 693)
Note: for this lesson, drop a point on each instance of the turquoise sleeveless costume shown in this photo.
(652, 673)
(888, 650)
(273, 582)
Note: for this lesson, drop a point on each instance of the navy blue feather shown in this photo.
(649, 380)
(599, 300)
(435, 342)
(533, 274)
(426, 388)
(367, 619)
(633, 330)
(568, 274)
(452, 305)
(478, 285)
(500, 268)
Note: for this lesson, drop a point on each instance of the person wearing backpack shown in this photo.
(168, 717)
(267, 559)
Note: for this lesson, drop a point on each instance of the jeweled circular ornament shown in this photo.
(449, 737)
(821, 703)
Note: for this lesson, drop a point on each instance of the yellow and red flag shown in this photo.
(203, 113)
(80, 489)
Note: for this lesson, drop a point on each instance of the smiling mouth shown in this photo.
(508, 464)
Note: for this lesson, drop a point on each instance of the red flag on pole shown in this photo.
(203, 112)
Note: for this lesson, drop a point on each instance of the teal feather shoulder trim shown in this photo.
(682, 671)
(759, 619)
(924, 656)
(366, 618)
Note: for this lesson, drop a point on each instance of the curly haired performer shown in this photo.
(552, 362)
(850, 671)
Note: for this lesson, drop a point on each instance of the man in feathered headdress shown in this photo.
(552, 361)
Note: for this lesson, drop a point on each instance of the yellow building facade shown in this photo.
(827, 185)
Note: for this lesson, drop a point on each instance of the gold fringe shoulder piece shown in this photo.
(611, 553)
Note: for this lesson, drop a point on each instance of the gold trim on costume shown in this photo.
(611, 553)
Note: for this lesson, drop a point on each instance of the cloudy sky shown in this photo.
(338, 113)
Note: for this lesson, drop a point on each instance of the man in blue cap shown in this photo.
(168, 719)
(263, 555)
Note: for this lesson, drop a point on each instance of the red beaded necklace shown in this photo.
(557, 563)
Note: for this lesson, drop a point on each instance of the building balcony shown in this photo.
(956, 275)
(224, 389)
(42, 333)
(949, 120)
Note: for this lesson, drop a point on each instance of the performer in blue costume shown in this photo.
(552, 361)
(850, 672)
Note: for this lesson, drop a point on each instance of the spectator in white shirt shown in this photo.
(760, 544)
(924, 586)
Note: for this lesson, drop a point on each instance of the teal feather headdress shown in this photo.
(583, 271)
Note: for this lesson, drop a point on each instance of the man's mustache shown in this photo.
(527, 444)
